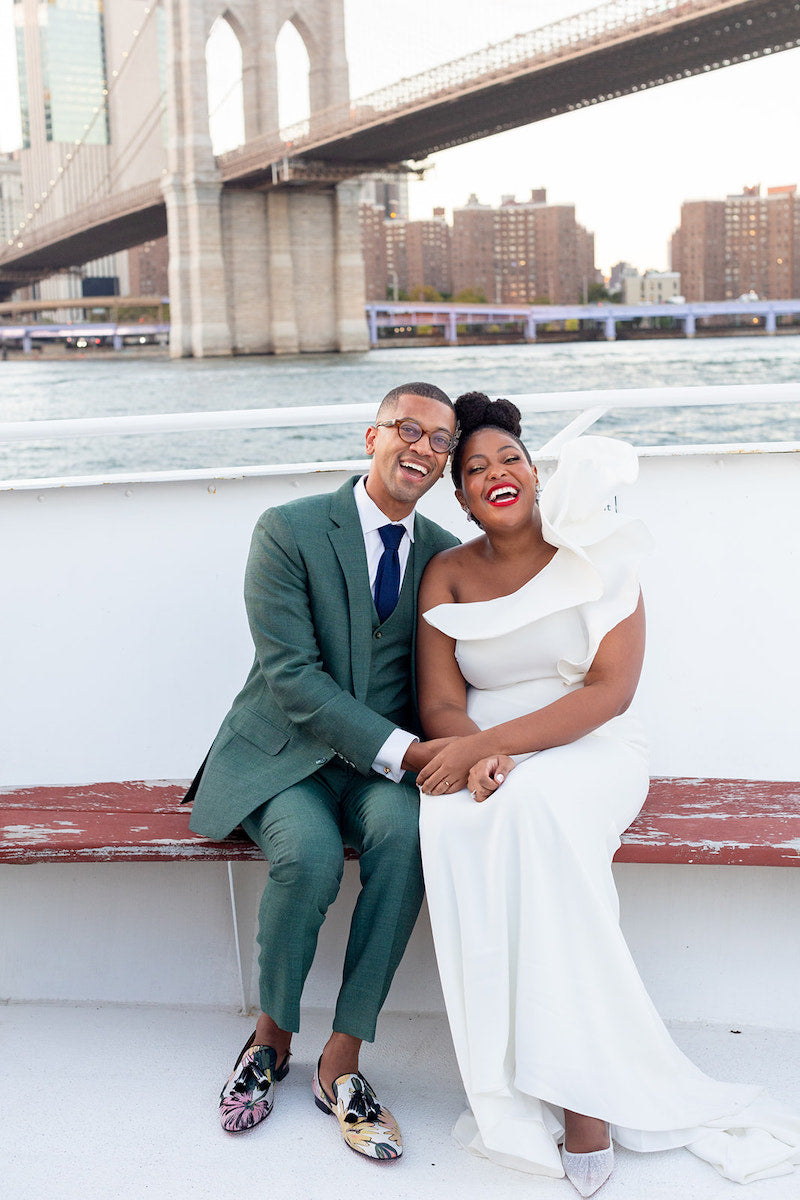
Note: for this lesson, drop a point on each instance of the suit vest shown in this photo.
(389, 690)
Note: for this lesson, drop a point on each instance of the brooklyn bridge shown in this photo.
(264, 239)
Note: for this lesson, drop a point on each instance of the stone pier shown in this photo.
(257, 272)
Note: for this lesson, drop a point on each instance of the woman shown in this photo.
(530, 652)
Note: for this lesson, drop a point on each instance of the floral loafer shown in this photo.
(247, 1097)
(366, 1126)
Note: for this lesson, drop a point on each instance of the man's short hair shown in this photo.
(428, 391)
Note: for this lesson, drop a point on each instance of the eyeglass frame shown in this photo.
(398, 421)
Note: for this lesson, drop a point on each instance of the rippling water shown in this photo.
(85, 387)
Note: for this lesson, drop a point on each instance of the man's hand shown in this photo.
(487, 775)
(419, 754)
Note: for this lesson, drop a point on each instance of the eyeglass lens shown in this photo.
(411, 432)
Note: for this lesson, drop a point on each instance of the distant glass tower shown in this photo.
(71, 68)
(90, 113)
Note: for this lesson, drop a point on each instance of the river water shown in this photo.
(86, 387)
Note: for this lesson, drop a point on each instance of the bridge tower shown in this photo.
(257, 271)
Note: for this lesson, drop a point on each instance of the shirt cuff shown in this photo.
(389, 760)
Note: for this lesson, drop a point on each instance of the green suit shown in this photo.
(293, 759)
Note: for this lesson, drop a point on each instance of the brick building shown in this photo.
(473, 248)
(396, 262)
(746, 243)
(428, 254)
(373, 244)
(523, 251)
(148, 269)
(697, 249)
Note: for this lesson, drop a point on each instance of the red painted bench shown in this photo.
(734, 822)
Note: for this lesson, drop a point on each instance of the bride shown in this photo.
(530, 652)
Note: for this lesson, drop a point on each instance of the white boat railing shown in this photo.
(590, 404)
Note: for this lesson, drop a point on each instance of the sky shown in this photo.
(626, 164)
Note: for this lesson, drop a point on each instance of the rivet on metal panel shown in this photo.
(40, 498)
(212, 491)
(128, 493)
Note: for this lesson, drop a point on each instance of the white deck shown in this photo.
(120, 1103)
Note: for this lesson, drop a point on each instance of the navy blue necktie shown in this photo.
(387, 580)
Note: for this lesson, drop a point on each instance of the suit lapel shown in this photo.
(348, 545)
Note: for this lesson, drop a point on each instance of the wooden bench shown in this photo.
(736, 822)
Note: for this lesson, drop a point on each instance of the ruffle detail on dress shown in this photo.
(597, 564)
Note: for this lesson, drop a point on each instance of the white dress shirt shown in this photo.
(390, 757)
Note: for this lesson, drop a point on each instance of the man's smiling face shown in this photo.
(400, 473)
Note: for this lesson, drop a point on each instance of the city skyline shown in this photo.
(626, 165)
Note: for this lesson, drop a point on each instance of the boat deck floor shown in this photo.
(119, 1103)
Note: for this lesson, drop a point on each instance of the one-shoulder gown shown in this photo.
(545, 1004)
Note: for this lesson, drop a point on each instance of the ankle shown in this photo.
(269, 1034)
(584, 1135)
(340, 1057)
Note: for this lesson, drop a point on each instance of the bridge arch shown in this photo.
(293, 74)
(224, 57)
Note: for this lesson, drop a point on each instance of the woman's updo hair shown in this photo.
(474, 410)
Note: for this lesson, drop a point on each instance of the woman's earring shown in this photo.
(537, 493)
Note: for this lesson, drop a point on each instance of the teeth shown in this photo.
(413, 466)
(503, 491)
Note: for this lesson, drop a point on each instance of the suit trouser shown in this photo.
(302, 831)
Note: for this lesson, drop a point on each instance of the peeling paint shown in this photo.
(142, 820)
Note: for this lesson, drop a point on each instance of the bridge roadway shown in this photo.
(622, 47)
(448, 317)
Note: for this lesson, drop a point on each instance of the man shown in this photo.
(314, 749)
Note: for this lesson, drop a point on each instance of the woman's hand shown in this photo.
(487, 775)
(448, 770)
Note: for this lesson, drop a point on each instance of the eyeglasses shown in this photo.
(411, 431)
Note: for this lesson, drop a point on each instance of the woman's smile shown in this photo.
(502, 494)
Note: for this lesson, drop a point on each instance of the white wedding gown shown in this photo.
(545, 1004)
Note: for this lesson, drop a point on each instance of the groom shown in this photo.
(313, 752)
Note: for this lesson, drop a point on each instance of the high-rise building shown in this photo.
(396, 261)
(389, 190)
(428, 254)
(472, 251)
(148, 268)
(522, 252)
(373, 244)
(73, 57)
(697, 250)
(11, 203)
(383, 212)
(746, 243)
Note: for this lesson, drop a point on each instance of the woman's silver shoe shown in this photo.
(588, 1172)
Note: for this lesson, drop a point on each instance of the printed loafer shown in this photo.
(367, 1127)
(248, 1095)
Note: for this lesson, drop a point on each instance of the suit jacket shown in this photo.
(310, 611)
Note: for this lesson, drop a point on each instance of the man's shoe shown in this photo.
(366, 1126)
(247, 1097)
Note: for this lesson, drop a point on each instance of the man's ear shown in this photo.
(369, 440)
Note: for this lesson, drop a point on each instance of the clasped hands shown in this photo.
(462, 762)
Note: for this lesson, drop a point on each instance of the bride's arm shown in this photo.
(441, 690)
(607, 691)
